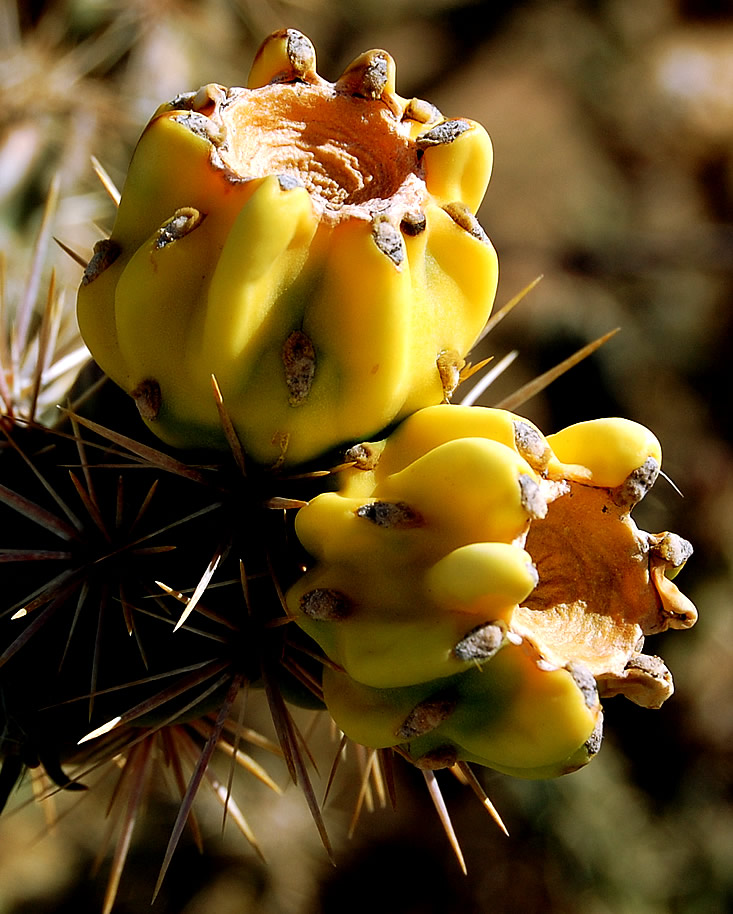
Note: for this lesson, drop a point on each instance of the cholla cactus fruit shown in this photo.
(313, 245)
(489, 582)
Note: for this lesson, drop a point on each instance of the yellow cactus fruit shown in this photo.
(312, 245)
(488, 583)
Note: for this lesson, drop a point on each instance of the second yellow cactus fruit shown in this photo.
(478, 586)
(312, 245)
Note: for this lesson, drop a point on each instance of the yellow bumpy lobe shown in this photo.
(608, 450)
(478, 585)
(397, 562)
(312, 245)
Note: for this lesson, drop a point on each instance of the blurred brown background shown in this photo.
(613, 130)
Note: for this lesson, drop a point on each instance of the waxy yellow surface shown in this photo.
(335, 262)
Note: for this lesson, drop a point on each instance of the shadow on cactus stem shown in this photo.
(92, 645)
(116, 655)
(96, 666)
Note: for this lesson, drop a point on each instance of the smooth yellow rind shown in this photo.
(370, 717)
(545, 720)
(469, 487)
(428, 428)
(483, 579)
(460, 170)
(610, 449)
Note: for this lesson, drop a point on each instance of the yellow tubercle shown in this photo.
(485, 579)
(285, 55)
(545, 718)
(245, 295)
(458, 158)
(610, 449)
(448, 487)
(435, 425)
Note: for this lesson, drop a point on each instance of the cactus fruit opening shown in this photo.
(344, 151)
(599, 591)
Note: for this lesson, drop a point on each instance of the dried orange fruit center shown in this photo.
(344, 151)
(593, 598)
(602, 588)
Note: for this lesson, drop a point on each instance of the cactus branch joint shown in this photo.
(277, 495)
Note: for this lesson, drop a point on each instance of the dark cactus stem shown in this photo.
(86, 631)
